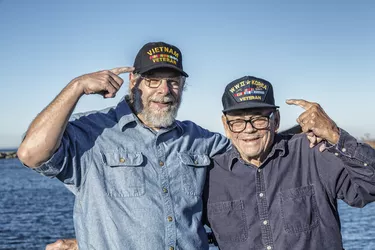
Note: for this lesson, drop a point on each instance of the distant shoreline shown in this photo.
(8, 154)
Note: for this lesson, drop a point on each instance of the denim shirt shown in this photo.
(290, 201)
(135, 188)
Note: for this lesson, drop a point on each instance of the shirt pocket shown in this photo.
(193, 176)
(299, 209)
(228, 220)
(124, 174)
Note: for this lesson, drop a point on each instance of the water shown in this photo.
(8, 150)
(35, 211)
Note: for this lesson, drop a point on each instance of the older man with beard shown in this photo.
(136, 172)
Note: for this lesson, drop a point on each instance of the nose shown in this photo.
(249, 128)
(164, 87)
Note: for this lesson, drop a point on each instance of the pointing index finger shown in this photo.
(299, 102)
(121, 70)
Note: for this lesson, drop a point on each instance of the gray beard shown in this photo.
(156, 118)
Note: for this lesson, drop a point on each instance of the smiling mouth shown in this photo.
(251, 139)
(163, 104)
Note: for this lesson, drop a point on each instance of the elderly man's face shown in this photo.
(155, 105)
(255, 140)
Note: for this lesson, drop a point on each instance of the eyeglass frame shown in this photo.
(251, 120)
(148, 80)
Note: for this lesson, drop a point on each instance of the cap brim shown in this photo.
(253, 105)
(146, 69)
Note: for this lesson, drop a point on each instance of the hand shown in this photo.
(64, 244)
(316, 123)
(105, 83)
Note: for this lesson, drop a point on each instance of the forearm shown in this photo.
(355, 185)
(43, 136)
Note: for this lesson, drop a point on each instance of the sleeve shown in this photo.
(214, 143)
(350, 172)
(71, 160)
(217, 143)
(205, 220)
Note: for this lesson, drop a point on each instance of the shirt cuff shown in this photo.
(53, 166)
(346, 145)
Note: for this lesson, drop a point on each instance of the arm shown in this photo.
(356, 183)
(348, 168)
(44, 135)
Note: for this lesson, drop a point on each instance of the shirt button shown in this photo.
(365, 164)
(261, 195)
(343, 149)
(265, 222)
(170, 218)
(269, 247)
(122, 160)
(337, 154)
(165, 190)
(161, 163)
(171, 248)
(196, 162)
(259, 170)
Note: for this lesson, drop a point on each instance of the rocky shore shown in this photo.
(8, 155)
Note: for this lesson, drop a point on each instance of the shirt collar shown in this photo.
(234, 156)
(280, 145)
(124, 113)
(179, 127)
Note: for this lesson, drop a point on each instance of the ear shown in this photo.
(277, 120)
(225, 125)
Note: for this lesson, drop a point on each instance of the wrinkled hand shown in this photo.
(64, 244)
(105, 83)
(316, 123)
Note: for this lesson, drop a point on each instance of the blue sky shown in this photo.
(322, 51)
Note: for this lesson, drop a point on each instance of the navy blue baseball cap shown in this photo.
(156, 55)
(248, 92)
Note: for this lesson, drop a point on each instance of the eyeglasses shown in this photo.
(257, 122)
(174, 82)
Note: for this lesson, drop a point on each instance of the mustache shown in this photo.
(163, 99)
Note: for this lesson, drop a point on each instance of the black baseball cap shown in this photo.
(248, 92)
(156, 55)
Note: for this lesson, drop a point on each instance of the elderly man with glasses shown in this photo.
(273, 191)
(136, 172)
